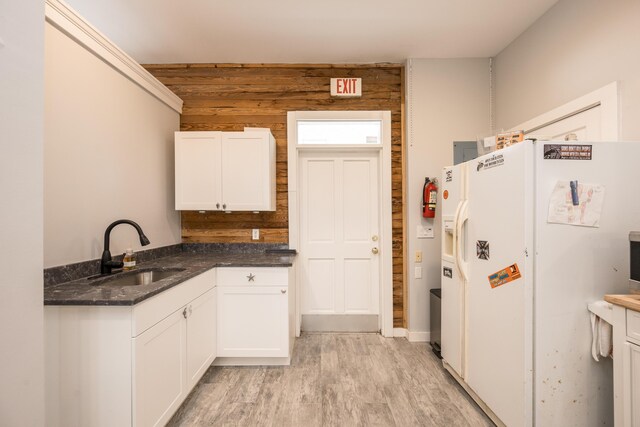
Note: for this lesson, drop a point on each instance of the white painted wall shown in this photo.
(578, 46)
(447, 100)
(108, 155)
(21, 308)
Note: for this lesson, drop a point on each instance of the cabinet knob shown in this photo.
(217, 205)
(224, 206)
(251, 276)
(184, 312)
(284, 291)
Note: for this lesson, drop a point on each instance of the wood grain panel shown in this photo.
(229, 97)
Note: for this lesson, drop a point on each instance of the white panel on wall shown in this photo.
(575, 48)
(108, 155)
(21, 180)
(357, 286)
(448, 100)
(320, 294)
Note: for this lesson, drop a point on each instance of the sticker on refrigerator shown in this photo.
(491, 162)
(449, 176)
(447, 272)
(504, 276)
(567, 152)
(482, 249)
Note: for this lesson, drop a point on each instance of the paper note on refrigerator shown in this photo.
(587, 211)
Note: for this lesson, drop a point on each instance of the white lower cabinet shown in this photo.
(631, 384)
(135, 365)
(171, 357)
(131, 365)
(159, 380)
(201, 336)
(255, 313)
(253, 322)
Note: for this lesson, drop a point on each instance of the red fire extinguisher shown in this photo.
(429, 198)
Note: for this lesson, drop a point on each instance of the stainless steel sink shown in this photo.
(138, 277)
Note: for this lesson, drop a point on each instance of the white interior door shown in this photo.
(339, 232)
(585, 126)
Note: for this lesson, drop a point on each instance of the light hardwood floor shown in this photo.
(335, 380)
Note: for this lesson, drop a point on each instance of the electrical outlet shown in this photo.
(418, 256)
(255, 234)
(418, 272)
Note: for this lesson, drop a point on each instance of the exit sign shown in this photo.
(346, 87)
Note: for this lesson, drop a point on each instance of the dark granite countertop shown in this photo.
(86, 292)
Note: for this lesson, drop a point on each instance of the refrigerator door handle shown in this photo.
(454, 233)
(463, 216)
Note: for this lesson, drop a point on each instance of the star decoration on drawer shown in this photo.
(251, 277)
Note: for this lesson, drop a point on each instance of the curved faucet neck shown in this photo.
(106, 263)
(107, 233)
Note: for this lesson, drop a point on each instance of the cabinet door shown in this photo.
(198, 171)
(631, 397)
(246, 180)
(201, 336)
(252, 321)
(159, 384)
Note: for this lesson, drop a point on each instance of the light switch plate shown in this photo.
(429, 232)
(425, 231)
(255, 234)
(418, 272)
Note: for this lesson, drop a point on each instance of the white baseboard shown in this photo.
(399, 332)
(412, 336)
(419, 336)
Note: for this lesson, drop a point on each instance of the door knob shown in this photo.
(375, 251)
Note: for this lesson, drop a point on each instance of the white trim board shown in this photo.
(412, 336)
(399, 333)
(386, 275)
(62, 16)
(606, 98)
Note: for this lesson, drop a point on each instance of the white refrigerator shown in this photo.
(539, 230)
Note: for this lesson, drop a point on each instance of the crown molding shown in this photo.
(67, 20)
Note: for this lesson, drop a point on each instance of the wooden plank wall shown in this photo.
(232, 96)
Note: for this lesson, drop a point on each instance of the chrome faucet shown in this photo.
(106, 263)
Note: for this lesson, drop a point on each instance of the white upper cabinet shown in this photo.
(198, 176)
(226, 171)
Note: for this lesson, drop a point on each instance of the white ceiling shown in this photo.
(306, 31)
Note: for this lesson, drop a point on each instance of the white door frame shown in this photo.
(385, 214)
(606, 98)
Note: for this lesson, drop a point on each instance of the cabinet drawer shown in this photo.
(258, 276)
(633, 324)
(151, 311)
